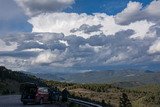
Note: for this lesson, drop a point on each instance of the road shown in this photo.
(14, 101)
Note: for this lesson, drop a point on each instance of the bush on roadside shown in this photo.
(5, 92)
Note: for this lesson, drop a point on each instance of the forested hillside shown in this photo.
(142, 96)
(10, 80)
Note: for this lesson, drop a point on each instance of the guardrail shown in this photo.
(84, 103)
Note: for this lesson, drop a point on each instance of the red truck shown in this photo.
(31, 93)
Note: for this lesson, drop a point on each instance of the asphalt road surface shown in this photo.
(14, 101)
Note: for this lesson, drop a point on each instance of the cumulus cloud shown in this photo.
(69, 40)
(34, 7)
(10, 47)
(136, 12)
(15, 63)
(45, 57)
(62, 22)
(155, 47)
(47, 18)
(118, 58)
(85, 25)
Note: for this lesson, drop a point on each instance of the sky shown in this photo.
(79, 35)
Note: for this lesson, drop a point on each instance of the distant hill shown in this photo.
(55, 76)
(118, 77)
(136, 77)
(129, 84)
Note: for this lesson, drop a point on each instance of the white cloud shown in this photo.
(141, 28)
(15, 63)
(34, 7)
(62, 22)
(156, 58)
(132, 9)
(48, 18)
(46, 57)
(155, 47)
(136, 12)
(89, 47)
(154, 9)
(64, 42)
(118, 58)
(67, 63)
(34, 50)
(10, 47)
(66, 22)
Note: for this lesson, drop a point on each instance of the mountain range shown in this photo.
(117, 77)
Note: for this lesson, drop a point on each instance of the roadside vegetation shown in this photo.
(109, 95)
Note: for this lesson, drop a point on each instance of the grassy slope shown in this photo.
(110, 93)
(148, 88)
(151, 91)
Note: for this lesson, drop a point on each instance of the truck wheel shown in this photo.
(41, 101)
(58, 98)
(24, 103)
(51, 102)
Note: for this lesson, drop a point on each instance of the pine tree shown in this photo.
(104, 103)
(124, 101)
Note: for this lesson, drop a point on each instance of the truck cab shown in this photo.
(31, 93)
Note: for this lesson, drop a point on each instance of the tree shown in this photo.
(124, 101)
(104, 103)
(2, 73)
